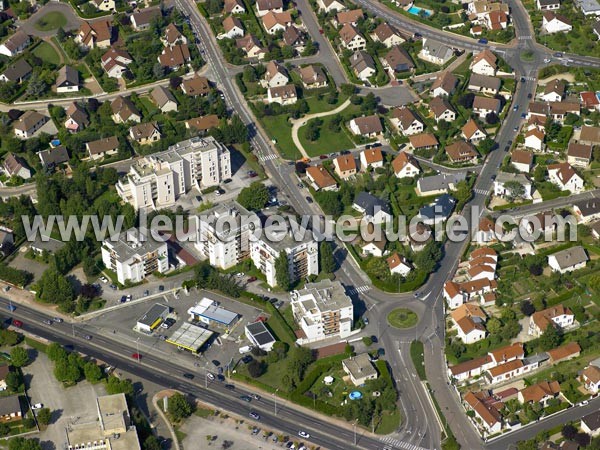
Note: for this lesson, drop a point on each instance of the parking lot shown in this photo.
(120, 323)
(76, 404)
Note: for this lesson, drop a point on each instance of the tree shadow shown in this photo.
(56, 414)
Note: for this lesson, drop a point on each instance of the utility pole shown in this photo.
(137, 342)
(354, 429)
(275, 400)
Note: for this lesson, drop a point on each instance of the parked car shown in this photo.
(220, 377)
(231, 387)
(146, 293)
(216, 363)
(123, 299)
(37, 406)
(161, 288)
(309, 200)
(210, 376)
(87, 337)
(323, 157)
(103, 279)
(113, 287)
(251, 173)
(247, 359)
(189, 376)
(17, 323)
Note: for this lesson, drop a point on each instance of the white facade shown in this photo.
(302, 254)
(574, 183)
(134, 256)
(555, 25)
(483, 67)
(159, 179)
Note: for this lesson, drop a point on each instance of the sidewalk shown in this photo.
(158, 397)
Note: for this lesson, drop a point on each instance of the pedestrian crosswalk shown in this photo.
(524, 38)
(358, 290)
(395, 443)
(530, 78)
(482, 191)
(267, 157)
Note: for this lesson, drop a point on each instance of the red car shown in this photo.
(251, 279)
(17, 323)
(137, 356)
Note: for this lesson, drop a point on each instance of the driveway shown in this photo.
(391, 96)
(73, 20)
(22, 263)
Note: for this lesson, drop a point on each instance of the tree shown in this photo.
(569, 431)
(179, 407)
(158, 71)
(550, 338)
(92, 372)
(60, 34)
(462, 192)
(486, 146)
(19, 357)
(311, 133)
(282, 271)
(527, 308)
(256, 368)
(493, 325)
(348, 89)
(492, 118)
(254, 197)
(14, 381)
(4, 429)
(514, 190)
(539, 174)
(151, 443)
(326, 257)
(55, 352)
(119, 386)
(20, 443)
(54, 288)
(44, 416)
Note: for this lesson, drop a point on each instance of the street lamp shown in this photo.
(354, 429)
(137, 342)
(275, 400)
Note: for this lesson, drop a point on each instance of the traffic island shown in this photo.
(402, 318)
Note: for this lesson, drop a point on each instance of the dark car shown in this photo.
(231, 387)
(161, 288)
(87, 337)
(123, 298)
(483, 41)
(557, 55)
(381, 351)
(246, 398)
(247, 359)
(309, 200)
(529, 95)
(323, 157)
(216, 362)
(113, 287)
(220, 377)
(374, 339)
(189, 376)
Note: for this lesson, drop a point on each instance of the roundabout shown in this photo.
(402, 318)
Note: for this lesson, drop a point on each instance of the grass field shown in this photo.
(328, 141)
(402, 318)
(46, 53)
(280, 129)
(51, 21)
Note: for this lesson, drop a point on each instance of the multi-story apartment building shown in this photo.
(302, 254)
(134, 255)
(323, 310)
(224, 234)
(158, 180)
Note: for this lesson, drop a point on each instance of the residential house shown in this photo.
(360, 369)
(453, 294)
(102, 147)
(521, 160)
(362, 65)
(164, 99)
(442, 110)
(503, 178)
(10, 408)
(544, 5)
(312, 76)
(330, 5)
(123, 110)
(366, 126)
(489, 417)
(469, 369)
(540, 393)
(589, 135)
(397, 60)
(406, 121)
(405, 166)
(485, 105)
(557, 316)
(534, 138)
(579, 155)
(67, 80)
(104, 5)
(554, 91)
(15, 166)
(587, 210)
(15, 44)
(461, 152)
(423, 141)
(54, 157)
(372, 157)
(484, 84)
(284, 95)
(351, 38)
(438, 211)
(29, 123)
(484, 63)
(374, 210)
(145, 133)
(173, 36)
(591, 378)
(348, 17)
(96, 34)
(265, 6)
(399, 265)
(564, 352)
(175, 57)
(565, 177)
(555, 23)
(496, 20)
(471, 132)
(345, 166)
(295, 38)
(590, 424)
(115, 62)
(544, 222)
(77, 118)
(203, 124)
(438, 184)
(251, 46)
(444, 84)
(234, 7)
(276, 21)
(142, 19)
(419, 235)
(469, 320)
(568, 260)
(589, 99)
(435, 52)
(17, 72)
(488, 231)
(276, 75)
(321, 179)
(387, 35)
(373, 247)
(196, 86)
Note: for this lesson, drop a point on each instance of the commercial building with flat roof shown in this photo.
(260, 336)
(153, 318)
(190, 337)
(209, 312)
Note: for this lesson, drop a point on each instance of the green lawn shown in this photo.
(418, 358)
(280, 129)
(402, 318)
(328, 141)
(318, 103)
(51, 21)
(389, 423)
(46, 53)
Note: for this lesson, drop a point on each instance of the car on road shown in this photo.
(220, 377)
(123, 298)
(417, 36)
(87, 337)
(557, 55)
(189, 376)
(11, 307)
(516, 129)
(210, 376)
(255, 396)
(366, 320)
(231, 387)
(48, 322)
(58, 320)
(516, 108)
(137, 356)
(161, 288)
(522, 79)
(483, 41)
(162, 337)
(17, 323)
(246, 398)
(254, 415)
(303, 434)
(309, 200)
(37, 406)
(530, 95)
(524, 116)
(216, 362)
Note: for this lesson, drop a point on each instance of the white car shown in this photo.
(104, 279)
(210, 376)
(37, 406)
(303, 434)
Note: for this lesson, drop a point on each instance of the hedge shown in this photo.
(17, 277)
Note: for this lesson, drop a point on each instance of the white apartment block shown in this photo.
(134, 255)
(323, 310)
(224, 234)
(302, 254)
(157, 180)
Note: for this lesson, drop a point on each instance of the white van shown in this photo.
(245, 349)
